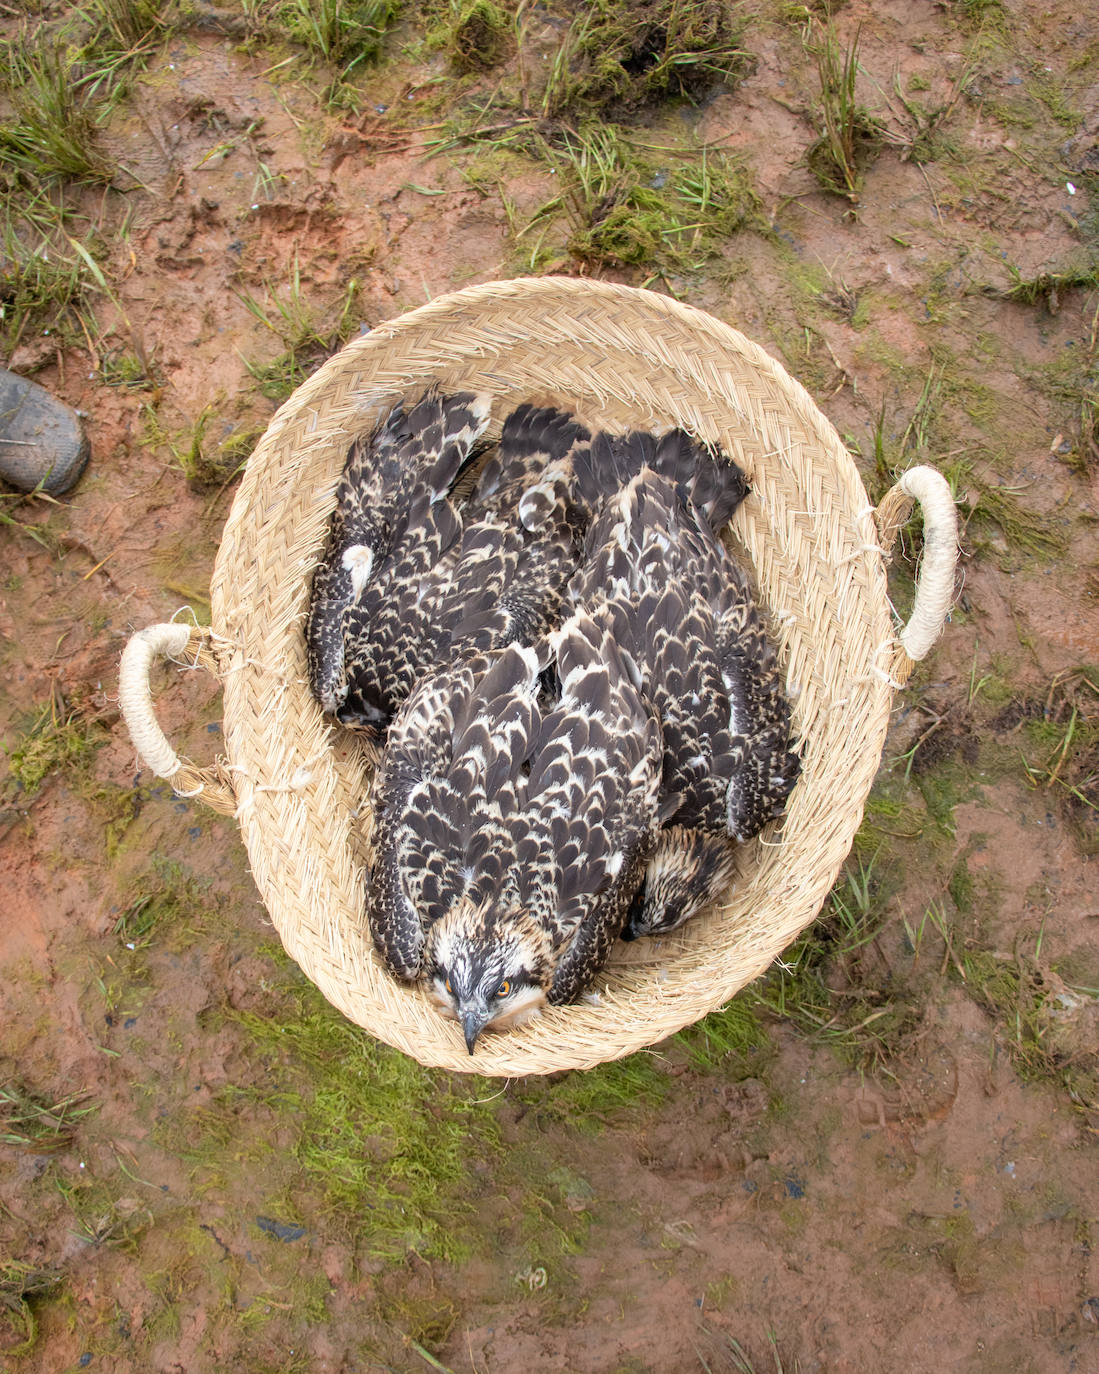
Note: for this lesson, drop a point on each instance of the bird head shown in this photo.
(687, 871)
(487, 967)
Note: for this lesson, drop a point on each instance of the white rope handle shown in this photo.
(935, 580)
(135, 696)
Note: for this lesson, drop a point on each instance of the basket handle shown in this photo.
(135, 695)
(935, 579)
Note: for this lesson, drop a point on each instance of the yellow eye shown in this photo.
(503, 989)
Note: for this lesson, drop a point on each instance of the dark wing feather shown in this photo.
(594, 781)
(392, 520)
(701, 473)
(439, 833)
(684, 612)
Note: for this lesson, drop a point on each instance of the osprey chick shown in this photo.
(514, 804)
(683, 612)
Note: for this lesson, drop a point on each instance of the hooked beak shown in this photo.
(473, 1023)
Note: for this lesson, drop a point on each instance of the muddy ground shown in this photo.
(882, 1157)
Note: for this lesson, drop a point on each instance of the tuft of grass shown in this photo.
(1002, 515)
(1045, 287)
(52, 131)
(620, 213)
(204, 460)
(42, 280)
(835, 984)
(726, 1355)
(1063, 752)
(918, 135)
(850, 136)
(14, 500)
(478, 34)
(306, 342)
(1039, 1019)
(346, 33)
(726, 1040)
(128, 25)
(32, 1123)
(620, 55)
(22, 1285)
(55, 740)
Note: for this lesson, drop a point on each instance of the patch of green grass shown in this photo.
(54, 740)
(621, 211)
(729, 1040)
(103, 1219)
(296, 323)
(52, 130)
(589, 1099)
(1074, 380)
(42, 280)
(850, 136)
(388, 1145)
(204, 460)
(348, 34)
(1038, 1018)
(1062, 751)
(22, 1287)
(620, 55)
(164, 906)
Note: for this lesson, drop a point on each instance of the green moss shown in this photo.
(388, 1145)
(961, 887)
(53, 741)
(944, 786)
(23, 1287)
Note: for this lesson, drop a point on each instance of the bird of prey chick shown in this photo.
(410, 577)
(392, 522)
(683, 612)
(514, 803)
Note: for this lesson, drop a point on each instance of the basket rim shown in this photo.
(717, 381)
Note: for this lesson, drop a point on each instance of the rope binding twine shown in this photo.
(299, 786)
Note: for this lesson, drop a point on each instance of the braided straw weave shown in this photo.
(634, 359)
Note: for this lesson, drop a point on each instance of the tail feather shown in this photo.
(701, 472)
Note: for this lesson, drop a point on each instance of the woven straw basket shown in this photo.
(299, 787)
